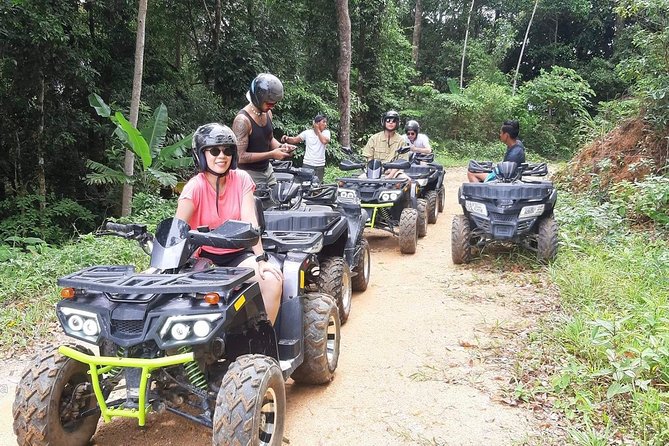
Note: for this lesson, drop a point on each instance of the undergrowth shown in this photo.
(604, 361)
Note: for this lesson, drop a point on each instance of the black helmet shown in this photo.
(390, 114)
(412, 125)
(265, 88)
(209, 135)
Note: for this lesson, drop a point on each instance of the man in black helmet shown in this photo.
(383, 145)
(256, 144)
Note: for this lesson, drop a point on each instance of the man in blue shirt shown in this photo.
(515, 151)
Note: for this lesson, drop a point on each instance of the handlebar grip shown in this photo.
(118, 227)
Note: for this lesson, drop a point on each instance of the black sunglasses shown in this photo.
(411, 133)
(391, 120)
(215, 151)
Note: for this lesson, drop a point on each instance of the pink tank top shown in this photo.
(203, 195)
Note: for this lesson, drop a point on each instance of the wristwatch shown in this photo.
(262, 257)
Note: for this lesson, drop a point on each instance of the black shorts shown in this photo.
(231, 259)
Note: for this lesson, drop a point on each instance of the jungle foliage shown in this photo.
(580, 55)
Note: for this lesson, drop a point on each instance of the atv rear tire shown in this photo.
(441, 199)
(432, 207)
(547, 239)
(334, 279)
(408, 230)
(251, 403)
(321, 340)
(43, 402)
(363, 267)
(461, 235)
(421, 207)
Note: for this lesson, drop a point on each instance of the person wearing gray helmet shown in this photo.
(221, 192)
(254, 130)
(421, 150)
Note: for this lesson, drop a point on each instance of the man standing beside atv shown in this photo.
(315, 141)
(515, 151)
(383, 146)
(254, 130)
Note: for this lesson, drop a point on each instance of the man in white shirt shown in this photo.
(315, 140)
(419, 142)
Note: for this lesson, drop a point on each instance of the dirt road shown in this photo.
(422, 359)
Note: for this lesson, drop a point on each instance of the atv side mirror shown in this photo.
(260, 215)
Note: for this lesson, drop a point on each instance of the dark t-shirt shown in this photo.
(515, 153)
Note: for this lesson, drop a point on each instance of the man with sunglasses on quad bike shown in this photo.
(255, 133)
(221, 192)
(383, 146)
(421, 150)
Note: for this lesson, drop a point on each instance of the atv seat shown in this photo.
(312, 218)
(417, 171)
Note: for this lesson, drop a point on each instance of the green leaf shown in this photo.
(178, 149)
(156, 129)
(105, 174)
(164, 178)
(616, 389)
(99, 105)
(135, 140)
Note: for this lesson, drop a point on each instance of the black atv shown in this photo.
(183, 336)
(343, 255)
(508, 207)
(429, 179)
(391, 203)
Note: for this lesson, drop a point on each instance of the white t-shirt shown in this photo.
(314, 154)
(422, 141)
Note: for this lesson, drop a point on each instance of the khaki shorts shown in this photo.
(262, 177)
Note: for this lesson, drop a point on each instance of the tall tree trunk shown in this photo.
(417, 27)
(41, 176)
(217, 24)
(344, 72)
(522, 49)
(464, 46)
(128, 167)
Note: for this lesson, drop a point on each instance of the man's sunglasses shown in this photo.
(411, 133)
(215, 151)
(391, 119)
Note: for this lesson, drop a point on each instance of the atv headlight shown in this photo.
(346, 193)
(81, 324)
(532, 211)
(422, 182)
(476, 208)
(187, 328)
(315, 248)
(389, 196)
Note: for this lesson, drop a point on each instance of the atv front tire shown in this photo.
(321, 340)
(432, 206)
(335, 279)
(251, 403)
(408, 230)
(421, 207)
(547, 239)
(45, 407)
(461, 234)
(363, 267)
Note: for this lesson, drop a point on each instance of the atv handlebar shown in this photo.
(130, 231)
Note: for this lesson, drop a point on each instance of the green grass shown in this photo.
(607, 354)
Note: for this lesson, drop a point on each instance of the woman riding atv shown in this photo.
(221, 192)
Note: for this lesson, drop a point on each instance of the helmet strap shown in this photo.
(218, 182)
